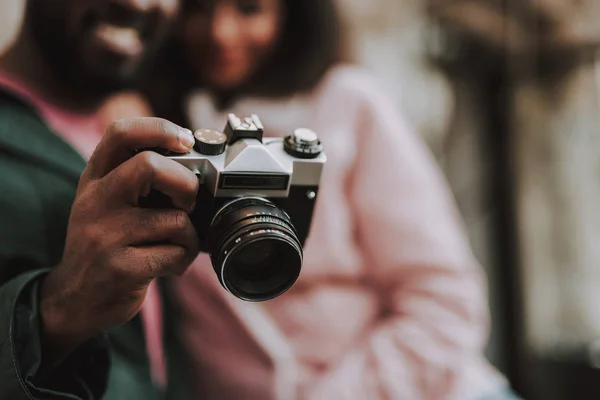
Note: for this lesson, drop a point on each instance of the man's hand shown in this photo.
(114, 248)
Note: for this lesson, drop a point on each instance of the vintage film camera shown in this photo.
(255, 203)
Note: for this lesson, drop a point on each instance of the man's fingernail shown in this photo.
(186, 138)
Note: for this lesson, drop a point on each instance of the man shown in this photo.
(77, 254)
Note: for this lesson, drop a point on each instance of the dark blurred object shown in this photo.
(563, 375)
(553, 34)
(532, 25)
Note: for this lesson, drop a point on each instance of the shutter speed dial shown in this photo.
(210, 142)
(303, 143)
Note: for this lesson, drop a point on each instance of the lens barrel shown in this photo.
(254, 249)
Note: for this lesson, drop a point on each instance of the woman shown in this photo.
(390, 303)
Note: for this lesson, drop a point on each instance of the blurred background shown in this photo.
(507, 96)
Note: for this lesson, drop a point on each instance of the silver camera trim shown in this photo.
(252, 156)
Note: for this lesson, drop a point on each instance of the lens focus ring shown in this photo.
(254, 249)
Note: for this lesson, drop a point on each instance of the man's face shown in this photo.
(100, 45)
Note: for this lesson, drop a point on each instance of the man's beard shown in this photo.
(64, 59)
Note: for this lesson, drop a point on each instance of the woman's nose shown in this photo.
(225, 26)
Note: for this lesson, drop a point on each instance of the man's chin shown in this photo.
(100, 87)
(107, 81)
(115, 72)
(93, 78)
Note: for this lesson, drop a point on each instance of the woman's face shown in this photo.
(226, 41)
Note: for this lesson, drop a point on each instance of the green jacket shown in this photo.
(38, 178)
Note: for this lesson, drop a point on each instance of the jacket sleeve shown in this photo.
(23, 254)
(82, 375)
(429, 343)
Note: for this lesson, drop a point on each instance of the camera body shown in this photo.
(255, 203)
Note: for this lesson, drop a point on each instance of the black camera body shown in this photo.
(255, 203)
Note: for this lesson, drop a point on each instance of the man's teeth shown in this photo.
(121, 37)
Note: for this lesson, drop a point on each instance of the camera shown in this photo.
(255, 203)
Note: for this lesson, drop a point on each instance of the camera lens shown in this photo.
(254, 249)
(257, 263)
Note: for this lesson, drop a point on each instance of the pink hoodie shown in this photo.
(391, 303)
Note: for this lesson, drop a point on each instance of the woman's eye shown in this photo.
(203, 6)
(249, 7)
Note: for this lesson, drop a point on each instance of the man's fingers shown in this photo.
(124, 137)
(148, 170)
(162, 259)
(146, 226)
(158, 243)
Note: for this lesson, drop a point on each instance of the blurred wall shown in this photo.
(556, 145)
(388, 37)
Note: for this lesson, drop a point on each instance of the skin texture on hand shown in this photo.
(114, 248)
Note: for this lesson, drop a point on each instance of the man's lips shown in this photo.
(121, 28)
(225, 58)
(118, 39)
